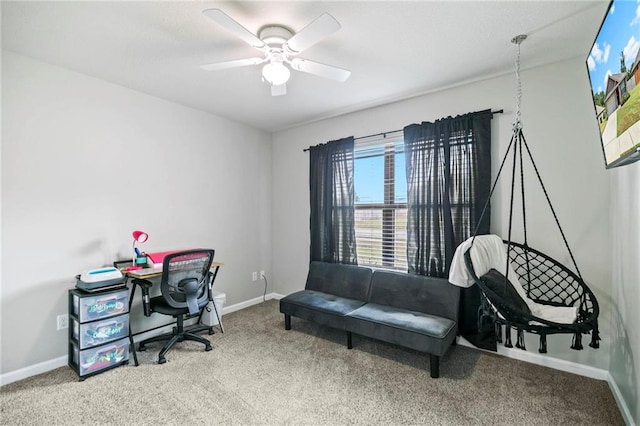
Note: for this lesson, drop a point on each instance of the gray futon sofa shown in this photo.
(413, 311)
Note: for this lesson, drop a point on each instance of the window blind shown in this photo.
(381, 201)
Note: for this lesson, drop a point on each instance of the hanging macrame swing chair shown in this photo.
(544, 280)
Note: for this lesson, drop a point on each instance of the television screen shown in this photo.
(614, 71)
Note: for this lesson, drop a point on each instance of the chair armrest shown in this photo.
(145, 285)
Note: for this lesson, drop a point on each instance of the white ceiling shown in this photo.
(395, 50)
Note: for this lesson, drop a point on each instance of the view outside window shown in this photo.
(381, 203)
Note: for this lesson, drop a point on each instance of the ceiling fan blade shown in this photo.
(232, 25)
(321, 70)
(317, 29)
(279, 90)
(232, 64)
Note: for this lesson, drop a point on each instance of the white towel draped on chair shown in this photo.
(489, 252)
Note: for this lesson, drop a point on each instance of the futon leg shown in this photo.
(349, 345)
(435, 365)
(287, 322)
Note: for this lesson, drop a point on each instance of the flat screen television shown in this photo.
(614, 72)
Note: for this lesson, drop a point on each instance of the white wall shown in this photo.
(84, 163)
(625, 348)
(562, 134)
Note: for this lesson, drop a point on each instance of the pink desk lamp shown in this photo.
(138, 237)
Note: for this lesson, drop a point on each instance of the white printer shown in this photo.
(100, 279)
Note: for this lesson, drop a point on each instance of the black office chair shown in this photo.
(185, 291)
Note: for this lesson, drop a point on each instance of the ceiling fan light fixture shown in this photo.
(276, 73)
(280, 46)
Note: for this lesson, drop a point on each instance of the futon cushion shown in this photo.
(319, 307)
(415, 330)
(435, 296)
(503, 288)
(417, 322)
(320, 301)
(348, 281)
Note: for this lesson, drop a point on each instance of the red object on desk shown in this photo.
(157, 258)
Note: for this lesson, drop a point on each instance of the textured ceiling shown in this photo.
(395, 50)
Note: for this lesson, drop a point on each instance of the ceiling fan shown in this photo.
(280, 46)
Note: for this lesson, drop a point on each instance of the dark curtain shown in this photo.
(448, 165)
(333, 237)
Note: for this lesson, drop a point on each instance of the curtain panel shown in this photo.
(448, 167)
(332, 198)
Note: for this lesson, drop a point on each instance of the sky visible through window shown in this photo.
(369, 179)
(620, 33)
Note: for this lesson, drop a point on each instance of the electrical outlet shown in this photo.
(262, 275)
(254, 276)
(62, 321)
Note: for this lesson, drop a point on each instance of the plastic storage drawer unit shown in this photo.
(101, 305)
(101, 331)
(101, 357)
(98, 331)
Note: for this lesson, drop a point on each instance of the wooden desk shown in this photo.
(150, 273)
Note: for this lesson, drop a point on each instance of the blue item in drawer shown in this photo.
(101, 357)
(101, 305)
(101, 331)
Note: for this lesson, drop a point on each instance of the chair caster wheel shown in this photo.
(142, 348)
(211, 331)
(208, 348)
(162, 360)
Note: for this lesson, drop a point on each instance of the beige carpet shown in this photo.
(258, 373)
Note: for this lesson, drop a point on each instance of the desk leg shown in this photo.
(132, 345)
(213, 278)
(200, 329)
(218, 316)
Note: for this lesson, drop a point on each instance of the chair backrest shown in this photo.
(185, 279)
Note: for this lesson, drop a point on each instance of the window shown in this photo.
(381, 201)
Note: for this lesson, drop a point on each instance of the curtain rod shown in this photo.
(500, 111)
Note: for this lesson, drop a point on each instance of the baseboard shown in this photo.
(622, 405)
(33, 370)
(545, 361)
(250, 302)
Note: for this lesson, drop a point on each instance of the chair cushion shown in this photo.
(160, 305)
(501, 286)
